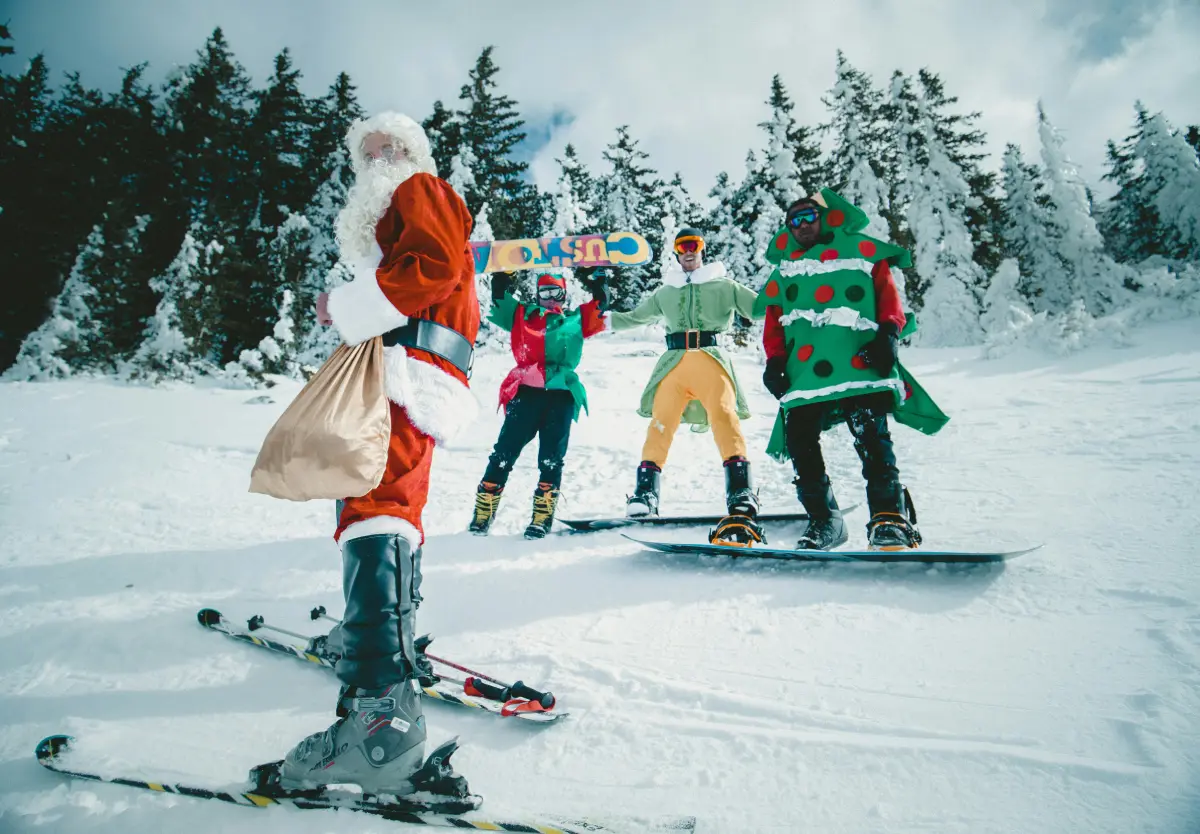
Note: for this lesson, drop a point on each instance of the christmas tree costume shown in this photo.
(541, 396)
(833, 321)
(693, 381)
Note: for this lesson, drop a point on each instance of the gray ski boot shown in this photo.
(826, 527)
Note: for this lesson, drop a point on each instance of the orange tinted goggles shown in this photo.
(689, 244)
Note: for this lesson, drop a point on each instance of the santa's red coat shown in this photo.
(425, 270)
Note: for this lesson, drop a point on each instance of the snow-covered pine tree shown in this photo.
(936, 194)
(726, 241)
(66, 341)
(166, 350)
(624, 203)
(1091, 274)
(444, 132)
(572, 197)
(1026, 234)
(857, 166)
(1004, 309)
(1128, 221)
(490, 338)
(491, 127)
(1172, 185)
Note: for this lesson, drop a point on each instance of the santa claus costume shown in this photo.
(404, 231)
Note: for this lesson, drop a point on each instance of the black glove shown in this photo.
(501, 283)
(775, 377)
(880, 352)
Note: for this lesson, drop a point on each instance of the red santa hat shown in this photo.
(410, 136)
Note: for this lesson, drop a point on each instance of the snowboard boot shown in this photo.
(487, 501)
(893, 524)
(378, 740)
(740, 497)
(545, 501)
(644, 500)
(826, 527)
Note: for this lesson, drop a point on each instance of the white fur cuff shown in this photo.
(382, 525)
(360, 310)
(434, 400)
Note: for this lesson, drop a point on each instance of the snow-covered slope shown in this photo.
(1057, 694)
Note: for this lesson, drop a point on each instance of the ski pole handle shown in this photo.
(318, 613)
(483, 689)
(520, 690)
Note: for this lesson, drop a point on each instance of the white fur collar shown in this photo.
(676, 277)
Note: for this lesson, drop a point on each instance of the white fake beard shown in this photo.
(366, 202)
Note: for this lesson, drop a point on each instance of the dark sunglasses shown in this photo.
(808, 215)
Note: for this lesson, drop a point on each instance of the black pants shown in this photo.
(534, 411)
(867, 419)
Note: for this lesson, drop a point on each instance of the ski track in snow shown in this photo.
(1056, 693)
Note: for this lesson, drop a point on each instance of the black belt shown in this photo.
(691, 339)
(435, 338)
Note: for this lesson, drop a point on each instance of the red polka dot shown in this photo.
(796, 254)
(829, 255)
(804, 353)
(781, 242)
(866, 247)
(858, 362)
(824, 294)
(772, 289)
(835, 218)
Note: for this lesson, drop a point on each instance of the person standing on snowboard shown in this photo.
(693, 382)
(833, 321)
(404, 232)
(542, 395)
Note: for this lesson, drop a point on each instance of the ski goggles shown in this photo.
(691, 243)
(804, 215)
(551, 292)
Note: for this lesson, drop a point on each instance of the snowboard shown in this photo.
(881, 556)
(587, 525)
(613, 249)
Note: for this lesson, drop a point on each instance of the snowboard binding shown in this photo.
(890, 531)
(737, 531)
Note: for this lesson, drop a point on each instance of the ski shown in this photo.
(878, 556)
(486, 695)
(588, 525)
(407, 810)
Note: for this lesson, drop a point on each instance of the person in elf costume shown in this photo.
(833, 321)
(542, 395)
(403, 232)
(693, 382)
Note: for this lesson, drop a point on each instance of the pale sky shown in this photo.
(689, 78)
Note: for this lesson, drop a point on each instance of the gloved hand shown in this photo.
(775, 377)
(880, 352)
(501, 283)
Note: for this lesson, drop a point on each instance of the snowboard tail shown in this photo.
(613, 249)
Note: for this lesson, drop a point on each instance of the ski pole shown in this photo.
(256, 622)
(510, 690)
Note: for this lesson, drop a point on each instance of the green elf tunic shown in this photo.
(827, 298)
(705, 299)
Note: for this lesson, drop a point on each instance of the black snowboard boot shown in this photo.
(644, 500)
(893, 524)
(826, 527)
(487, 501)
(545, 501)
(740, 497)
(378, 741)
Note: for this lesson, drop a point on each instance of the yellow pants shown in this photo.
(697, 377)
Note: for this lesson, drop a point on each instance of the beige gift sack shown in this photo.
(332, 441)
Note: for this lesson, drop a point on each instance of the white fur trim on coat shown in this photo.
(678, 278)
(382, 525)
(359, 308)
(436, 402)
(836, 316)
(811, 267)
(400, 127)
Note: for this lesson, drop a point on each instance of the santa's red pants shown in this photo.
(404, 489)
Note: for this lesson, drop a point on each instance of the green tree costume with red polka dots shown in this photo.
(823, 305)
